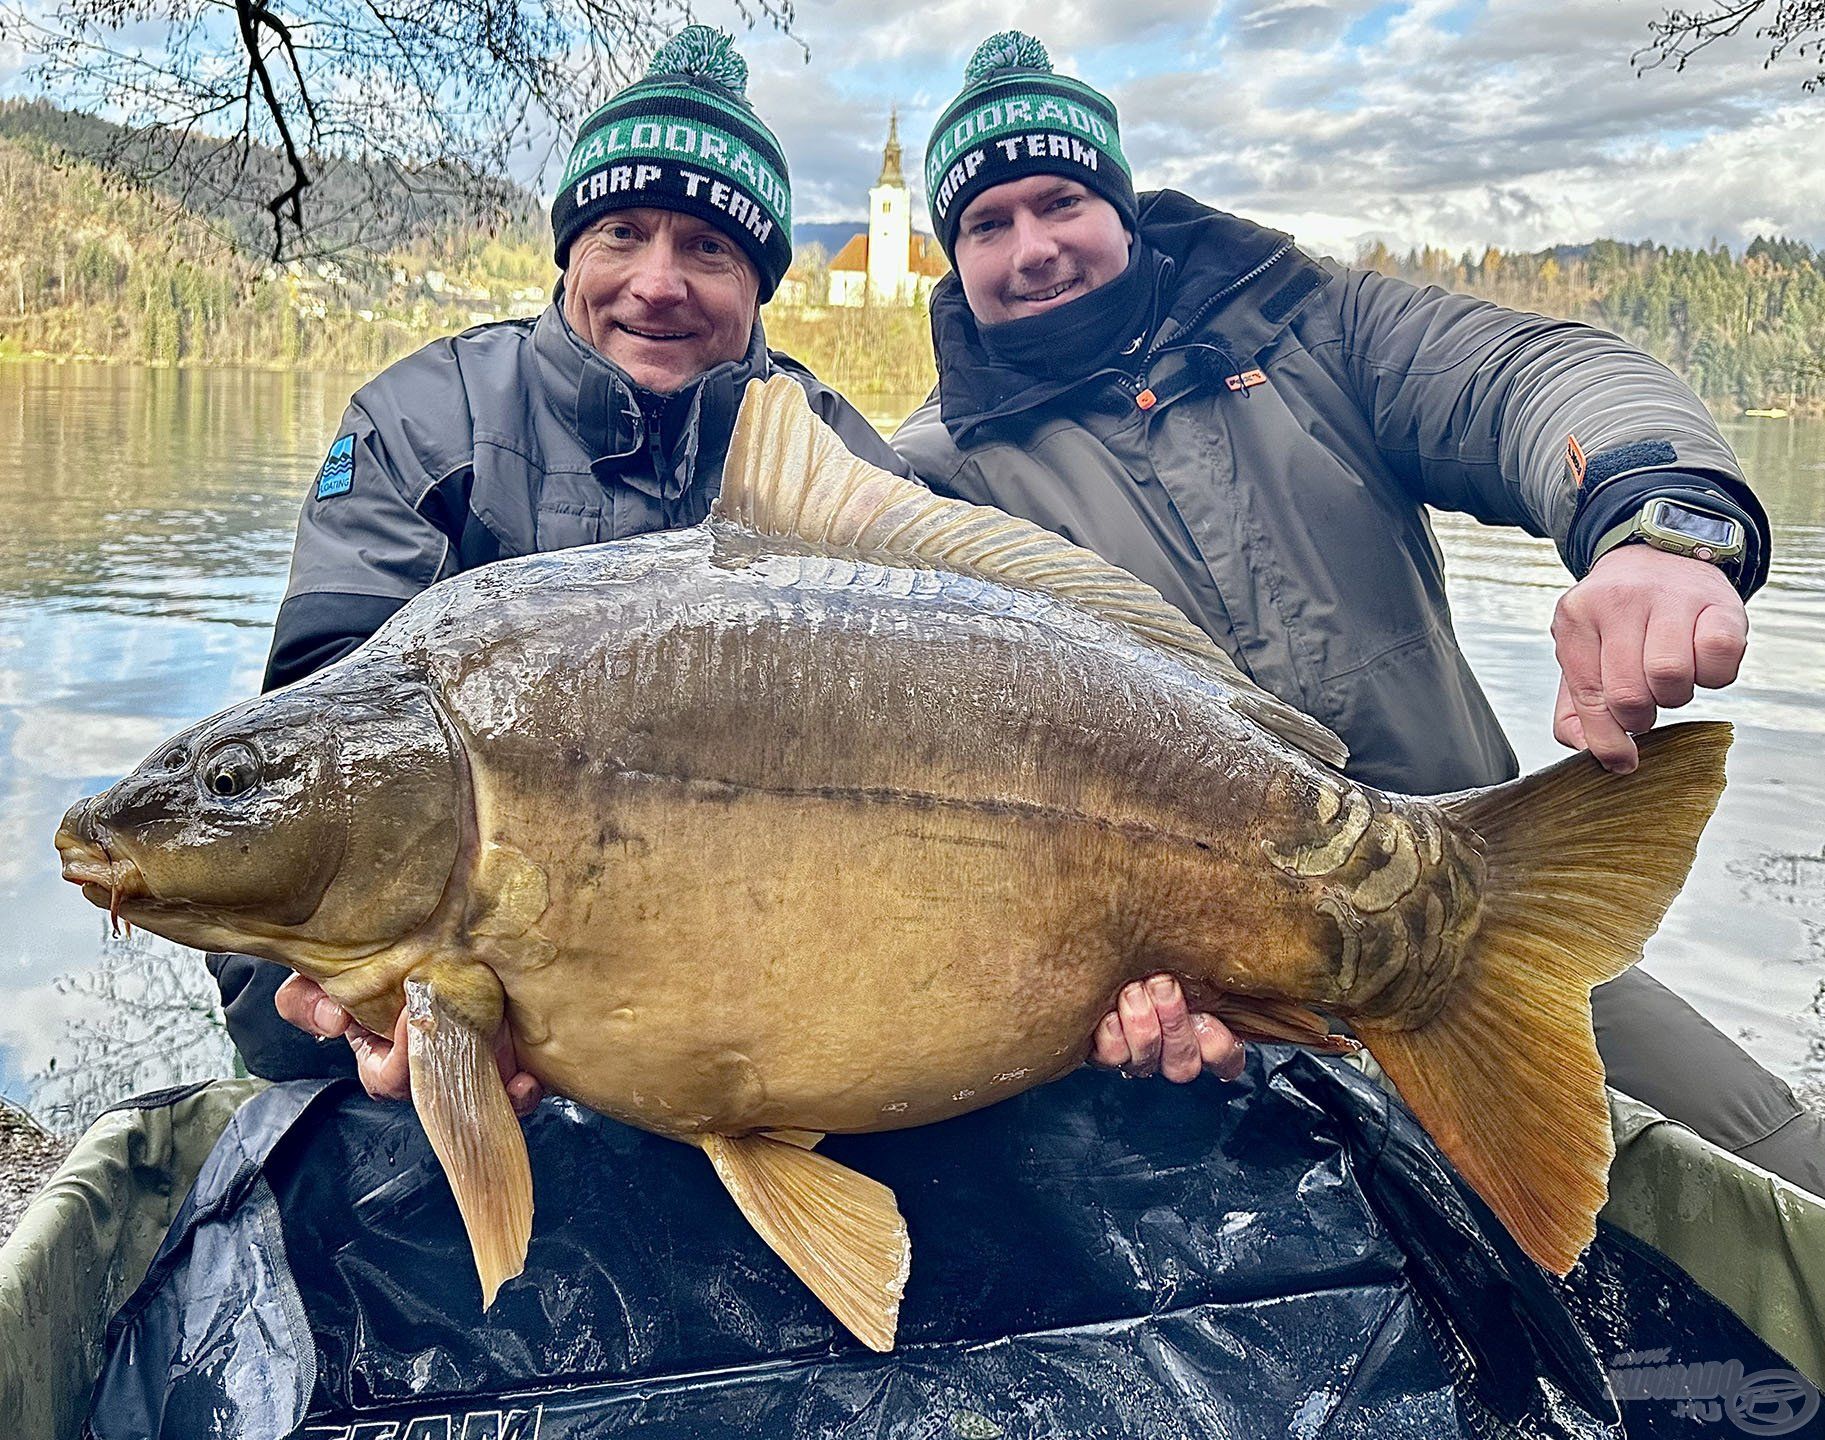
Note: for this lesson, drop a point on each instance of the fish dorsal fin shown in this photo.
(788, 476)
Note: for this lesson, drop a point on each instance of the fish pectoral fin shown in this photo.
(1261, 1017)
(839, 1231)
(462, 1101)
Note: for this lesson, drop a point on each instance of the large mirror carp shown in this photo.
(854, 808)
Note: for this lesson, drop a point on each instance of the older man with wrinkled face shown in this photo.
(606, 417)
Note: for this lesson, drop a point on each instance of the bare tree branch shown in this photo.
(1789, 27)
(383, 116)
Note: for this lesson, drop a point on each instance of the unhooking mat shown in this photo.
(1284, 1256)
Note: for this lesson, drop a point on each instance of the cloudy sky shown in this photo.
(1519, 123)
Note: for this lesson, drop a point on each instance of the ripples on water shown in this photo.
(145, 530)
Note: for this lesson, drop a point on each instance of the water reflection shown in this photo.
(145, 525)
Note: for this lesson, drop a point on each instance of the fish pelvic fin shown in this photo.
(463, 1105)
(839, 1231)
(789, 476)
(1582, 864)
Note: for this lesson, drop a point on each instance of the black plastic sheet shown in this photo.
(1281, 1256)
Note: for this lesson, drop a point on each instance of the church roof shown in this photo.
(853, 255)
(927, 256)
(924, 255)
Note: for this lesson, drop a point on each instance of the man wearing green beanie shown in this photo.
(607, 416)
(1258, 435)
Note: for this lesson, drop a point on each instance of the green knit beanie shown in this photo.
(684, 137)
(1015, 118)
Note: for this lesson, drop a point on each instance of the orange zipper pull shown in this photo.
(1146, 400)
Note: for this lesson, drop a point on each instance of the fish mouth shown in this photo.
(108, 881)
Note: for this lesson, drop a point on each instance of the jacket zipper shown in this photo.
(1144, 397)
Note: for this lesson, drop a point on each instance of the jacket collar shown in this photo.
(1209, 255)
(661, 445)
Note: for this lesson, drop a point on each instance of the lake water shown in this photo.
(145, 528)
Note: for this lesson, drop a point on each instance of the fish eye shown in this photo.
(230, 771)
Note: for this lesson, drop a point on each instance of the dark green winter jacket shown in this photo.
(1286, 511)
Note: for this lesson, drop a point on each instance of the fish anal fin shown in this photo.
(788, 476)
(1262, 1017)
(1581, 865)
(463, 1105)
(804, 1139)
(839, 1231)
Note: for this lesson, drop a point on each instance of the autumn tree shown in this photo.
(343, 123)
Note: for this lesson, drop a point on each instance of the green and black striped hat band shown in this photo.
(1018, 124)
(681, 147)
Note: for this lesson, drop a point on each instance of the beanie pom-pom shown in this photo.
(1006, 50)
(704, 52)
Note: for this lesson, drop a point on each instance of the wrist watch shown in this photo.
(1679, 528)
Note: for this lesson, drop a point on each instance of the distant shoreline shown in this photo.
(853, 387)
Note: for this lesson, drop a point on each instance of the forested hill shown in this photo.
(1746, 332)
(93, 265)
(349, 205)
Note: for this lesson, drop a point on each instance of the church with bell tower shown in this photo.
(892, 264)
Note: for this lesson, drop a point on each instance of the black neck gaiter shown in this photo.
(1091, 333)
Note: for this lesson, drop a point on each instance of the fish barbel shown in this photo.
(854, 809)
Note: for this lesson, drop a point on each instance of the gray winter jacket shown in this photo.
(509, 439)
(1266, 456)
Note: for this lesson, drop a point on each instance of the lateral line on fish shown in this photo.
(923, 800)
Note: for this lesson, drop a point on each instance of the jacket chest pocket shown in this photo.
(564, 522)
(1341, 565)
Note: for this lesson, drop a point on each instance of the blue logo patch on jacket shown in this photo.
(338, 472)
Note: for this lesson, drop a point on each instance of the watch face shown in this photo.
(1700, 527)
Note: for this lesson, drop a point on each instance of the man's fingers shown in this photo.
(1180, 1061)
(383, 1066)
(1141, 1029)
(303, 1003)
(1218, 1048)
(523, 1088)
(1109, 1047)
(1581, 663)
(1666, 656)
(1567, 729)
(1626, 693)
(1720, 635)
(524, 1093)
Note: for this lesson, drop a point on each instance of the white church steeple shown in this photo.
(890, 225)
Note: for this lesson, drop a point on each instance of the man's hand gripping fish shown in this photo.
(853, 809)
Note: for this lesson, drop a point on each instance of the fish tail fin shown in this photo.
(463, 1105)
(839, 1231)
(1582, 865)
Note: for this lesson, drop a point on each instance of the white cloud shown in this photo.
(1453, 122)
(1523, 127)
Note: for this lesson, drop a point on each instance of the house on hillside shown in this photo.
(892, 264)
